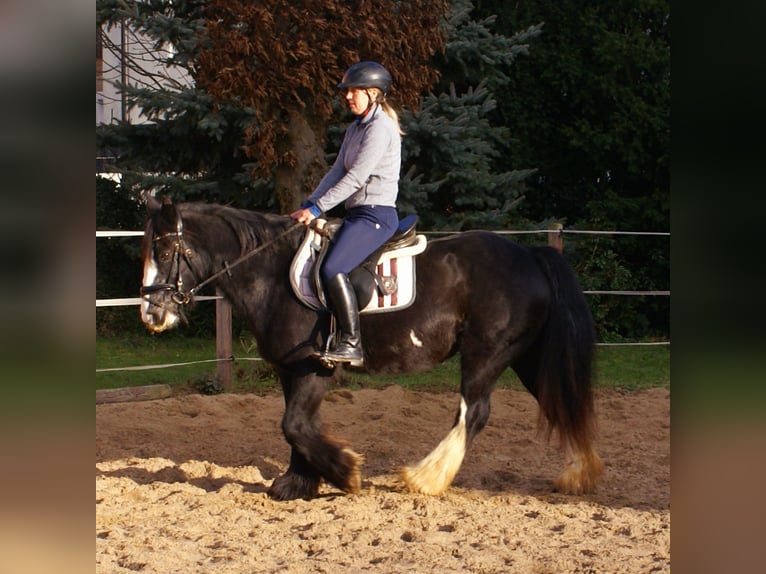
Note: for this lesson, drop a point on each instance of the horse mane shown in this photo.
(251, 228)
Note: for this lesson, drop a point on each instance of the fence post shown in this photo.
(223, 348)
(556, 237)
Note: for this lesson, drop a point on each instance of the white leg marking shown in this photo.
(435, 473)
(415, 341)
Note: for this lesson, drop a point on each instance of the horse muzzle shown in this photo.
(161, 307)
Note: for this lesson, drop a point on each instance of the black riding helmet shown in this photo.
(367, 75)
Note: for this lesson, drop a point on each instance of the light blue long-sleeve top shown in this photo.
(366, 171)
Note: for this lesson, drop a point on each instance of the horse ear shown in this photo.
(168, 210)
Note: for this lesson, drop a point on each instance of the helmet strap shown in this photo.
(370, 101)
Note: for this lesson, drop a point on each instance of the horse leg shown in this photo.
(315, 454)
(434, 474)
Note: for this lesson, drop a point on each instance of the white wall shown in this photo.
(109, 104)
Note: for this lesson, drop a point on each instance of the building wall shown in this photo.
(124, 56)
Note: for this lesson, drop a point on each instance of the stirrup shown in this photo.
(326, 362)
(344, 358)
(330, 363)
(329, 359)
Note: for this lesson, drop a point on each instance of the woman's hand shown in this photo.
(303, 216)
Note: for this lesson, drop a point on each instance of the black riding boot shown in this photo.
(346, 309)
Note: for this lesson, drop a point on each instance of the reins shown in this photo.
(227, 267)
(183, 298)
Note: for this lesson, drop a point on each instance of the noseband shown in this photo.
(182, 252)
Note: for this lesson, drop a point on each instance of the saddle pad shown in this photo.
(399, 263)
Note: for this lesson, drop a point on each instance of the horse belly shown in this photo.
(394, 345)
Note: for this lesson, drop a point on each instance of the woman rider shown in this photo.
(365, 176)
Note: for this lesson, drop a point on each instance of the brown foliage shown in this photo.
(284, 59)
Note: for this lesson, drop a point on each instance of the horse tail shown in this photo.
(563, 385)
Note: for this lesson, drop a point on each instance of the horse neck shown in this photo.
(225, 235)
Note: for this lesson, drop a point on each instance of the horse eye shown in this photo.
(165, 256)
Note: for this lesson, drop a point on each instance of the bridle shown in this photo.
(181, 252)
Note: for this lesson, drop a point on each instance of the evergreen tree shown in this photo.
(590, 109)
(452, 143)
(454, 155)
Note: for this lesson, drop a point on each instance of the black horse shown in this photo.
(496, 303)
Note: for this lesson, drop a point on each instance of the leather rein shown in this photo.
(182, 252)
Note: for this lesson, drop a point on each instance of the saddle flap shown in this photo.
(302, 265)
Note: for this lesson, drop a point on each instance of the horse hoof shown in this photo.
(352, 482)
(581, 476)
(291, 486)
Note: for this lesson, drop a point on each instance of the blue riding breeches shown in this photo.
(364, 229)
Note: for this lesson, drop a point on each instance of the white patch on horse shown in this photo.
(435, 473)
(415, 341)
(150, 272)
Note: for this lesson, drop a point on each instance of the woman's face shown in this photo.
(358, 100)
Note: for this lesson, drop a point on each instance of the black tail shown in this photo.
(563, 384)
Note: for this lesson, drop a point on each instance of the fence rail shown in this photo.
(225, 358)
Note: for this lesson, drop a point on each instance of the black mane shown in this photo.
(252, 228)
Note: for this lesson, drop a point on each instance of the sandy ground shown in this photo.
(181, 487)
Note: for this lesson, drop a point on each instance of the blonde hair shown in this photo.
(391, 113)
(387, 108)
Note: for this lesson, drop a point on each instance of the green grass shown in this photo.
(633, 368)
(626, 368)
(137, 350)
(146, 350)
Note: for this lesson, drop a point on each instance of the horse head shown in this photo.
(167, 267)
